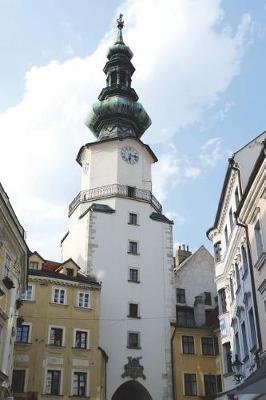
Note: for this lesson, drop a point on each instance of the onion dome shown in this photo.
(118, 112)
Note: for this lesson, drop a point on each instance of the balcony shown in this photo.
(114, 190)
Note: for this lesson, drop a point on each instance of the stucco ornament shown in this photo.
(133, 369)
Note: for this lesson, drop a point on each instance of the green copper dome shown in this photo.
(118, 112)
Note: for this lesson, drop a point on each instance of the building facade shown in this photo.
(56, 348)
(196, 357)
(117, 231)
(13, 270)
(234, 267)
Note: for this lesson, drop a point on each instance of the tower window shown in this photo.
(133, 219)
(122, 78)
(133, 247)
(133, 311)
(134, 275)
(113, 78)
(131, 191)
(133, 340)
(180, 295)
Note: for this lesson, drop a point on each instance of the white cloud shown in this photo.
(178, 78)
(212, 151)
(176, 217)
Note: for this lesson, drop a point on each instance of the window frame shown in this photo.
(36, 263)
(188, 344)
(29, 325)
(24, 298)
(63, 341)
(189, 312)
(138, 347)
(138, 275)
(185, 384)
(61, 370)
(258, 235)
(26, 377)
(135, 242)
(60, 289)
(180, 294)
(83, 300)
(131, 217)
(213, 393)
(76, 330)
(87, 390)
(206, 346)
(135, 316)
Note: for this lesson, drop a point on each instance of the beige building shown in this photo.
(56, 350)
(13, 270)
(195, 343)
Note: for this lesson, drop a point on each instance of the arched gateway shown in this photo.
(131, 390)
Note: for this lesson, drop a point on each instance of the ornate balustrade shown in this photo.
(115, 190)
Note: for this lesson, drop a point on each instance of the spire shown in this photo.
(118, 112)
(120, 26)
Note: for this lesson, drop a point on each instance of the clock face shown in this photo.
(129, 155)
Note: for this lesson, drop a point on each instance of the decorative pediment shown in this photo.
(133, 369)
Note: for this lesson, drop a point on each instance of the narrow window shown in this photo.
(133, 247)
(238, 282)
(226, 235)
(70, 272)
(133, 340)
(53, 382)
(122, 78)
(27, 295)
(133, 311)
(244, 260)
(7, 264)
(252, 326)
(231, 219)
(18, 380)
(227, 357)
(190, 385)
(180, 295)
(81, 339)
(210, 385)
(59, 296)
(131, 191)
(133, 219)
(222, 301)
(113, 78)
(218, 252)
(22, 335)
(258, 238)
(133, 275)
(56, 337)
(237, 344)
(208, 298)
(244, 338)
(237, 200)
(188, 344)
(79, 384)
(207, 344)
(231, 289)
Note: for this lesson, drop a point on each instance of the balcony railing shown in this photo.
(114, 190)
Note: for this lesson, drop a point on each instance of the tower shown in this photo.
(117, 231)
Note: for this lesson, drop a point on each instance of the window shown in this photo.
(131, 191)
(113, 78)
(180, 295)
(207, 344)
(212, 384)
(188, 344)
(231, 289)
(185, 317)
(79, 383)
(81, 339)
(222, 301)
(252, 327)
(7, 264)
(190, 385)
(28, 294)
(133, 310)
(238, 282)
(56, 336)
(22, 335)
(208, 299)
(18, 380)
(133, 219)
(133, 340)
(237, 200)
(133, 275)
(59, 296)
(122, 78)
(218, 252)
(133, 247)
(53, 378)
(244, 338)
(237, 344)
(69, 272)
(244, 260)
(227, 357)
(84, 300)
(231, 219)
(258, 238)
(226, 235)
(34, 265)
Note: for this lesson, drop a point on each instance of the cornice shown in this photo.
(61, 282)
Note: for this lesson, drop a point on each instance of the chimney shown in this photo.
(182, 253)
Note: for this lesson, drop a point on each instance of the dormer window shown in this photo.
(69, 272)
(34, 265)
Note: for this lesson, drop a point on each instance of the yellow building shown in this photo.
(195, 345)
(13, 272)
(56, 350)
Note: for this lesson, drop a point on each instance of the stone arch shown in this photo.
(131, 390)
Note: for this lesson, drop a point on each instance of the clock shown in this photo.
(129, 155)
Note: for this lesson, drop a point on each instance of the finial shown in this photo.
(120, 25)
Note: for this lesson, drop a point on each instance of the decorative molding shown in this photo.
(227, 199)
(262, 287)
(261, 261)
(133, 369)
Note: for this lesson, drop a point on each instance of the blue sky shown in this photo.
(200, 75)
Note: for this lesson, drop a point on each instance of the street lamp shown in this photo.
(237, 366)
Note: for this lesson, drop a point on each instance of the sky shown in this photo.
(200, 74)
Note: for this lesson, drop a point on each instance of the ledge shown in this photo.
(133, 348)
(133, 254)
(130, 280)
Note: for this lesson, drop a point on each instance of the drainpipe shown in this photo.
(253, 289)
(172, 362)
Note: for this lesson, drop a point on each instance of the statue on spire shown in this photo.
(120, 22)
